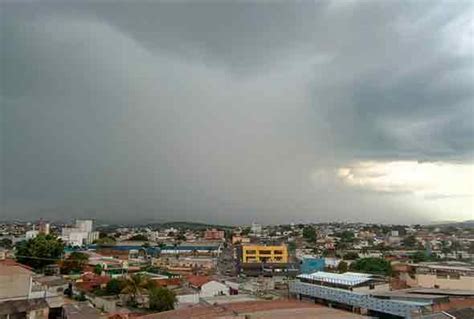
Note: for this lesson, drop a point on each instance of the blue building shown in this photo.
(310, 265)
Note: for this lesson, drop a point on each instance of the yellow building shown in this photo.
(267, 254)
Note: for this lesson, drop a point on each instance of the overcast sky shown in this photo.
(228, 112)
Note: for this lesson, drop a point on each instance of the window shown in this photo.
(454, 276)
(250, 252)
(265, 252)
(278, 252)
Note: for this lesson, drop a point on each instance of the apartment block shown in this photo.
(264, 254)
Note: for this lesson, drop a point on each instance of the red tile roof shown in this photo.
(91, 281)
(197, 281)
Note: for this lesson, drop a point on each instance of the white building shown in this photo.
(85, 225)
(256, 228)
(80, 235)
(332, 262)
(210, 289)
(92, 236)
(30, 234)
(74, 238)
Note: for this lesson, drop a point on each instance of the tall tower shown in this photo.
(84, 225)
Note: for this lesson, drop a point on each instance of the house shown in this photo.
(236, 239)
(17, 298)
(201, 287)
(442, 275)
(83, 310)
(91, 281)
(25, 308)
(15, 282)
(196, 281)
(52, 284)
(214, 234)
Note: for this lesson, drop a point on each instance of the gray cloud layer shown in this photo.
(228, 112)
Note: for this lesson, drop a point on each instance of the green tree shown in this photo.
(346, 236)
(419, 256)
(382, 248)
(105, 241)
(245, 231)
(372, 265)
(139, 237)
(409, 241)
(6, 243)
(114, 286)
(135, 286)
(161, 299)
(309, 234)
(341, 245)
(39, 251)
(456, 246)
(342, 266)
(291, 247)
(74, 263)
(98, 269)
(327, 253)
(180, 237)
(445, 247)
(350, 256)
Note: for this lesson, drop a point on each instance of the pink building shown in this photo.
(213, 234)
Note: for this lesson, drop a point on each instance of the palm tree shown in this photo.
(134, 286)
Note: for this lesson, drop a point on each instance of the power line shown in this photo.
(46, 258)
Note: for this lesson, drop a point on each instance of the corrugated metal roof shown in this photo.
(347, 279)
(358, 274)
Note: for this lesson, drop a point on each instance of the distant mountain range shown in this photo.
(189, 225)
(463, 224)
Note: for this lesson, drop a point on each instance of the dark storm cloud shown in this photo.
(227, 111)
